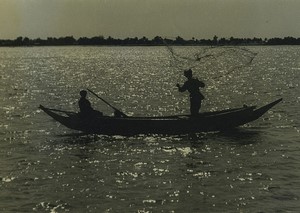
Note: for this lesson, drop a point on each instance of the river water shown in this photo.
(46, 167)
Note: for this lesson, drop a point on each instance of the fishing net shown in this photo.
(215, 62)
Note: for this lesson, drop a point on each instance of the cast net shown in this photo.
(215, 62)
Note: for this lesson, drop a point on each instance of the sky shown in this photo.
(137, 18)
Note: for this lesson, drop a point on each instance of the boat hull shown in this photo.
(179, 124)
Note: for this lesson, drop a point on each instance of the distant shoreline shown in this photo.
(156, 41)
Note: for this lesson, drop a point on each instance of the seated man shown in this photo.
(85, 106)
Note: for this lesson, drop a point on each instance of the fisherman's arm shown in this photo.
(201, 83)
(181, 88)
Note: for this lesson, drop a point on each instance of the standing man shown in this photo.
(192, 85)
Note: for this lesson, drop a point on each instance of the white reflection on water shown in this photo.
(46, 167)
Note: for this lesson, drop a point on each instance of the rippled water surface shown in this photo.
(46, 167)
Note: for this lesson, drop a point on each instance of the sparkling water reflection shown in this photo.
(48, 168)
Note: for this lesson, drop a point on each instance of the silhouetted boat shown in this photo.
(174, 125)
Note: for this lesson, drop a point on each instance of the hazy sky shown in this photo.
(137, 18)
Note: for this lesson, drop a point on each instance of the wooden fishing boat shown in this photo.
(174, 125)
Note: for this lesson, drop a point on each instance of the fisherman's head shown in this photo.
(83, 93)
(188, 73)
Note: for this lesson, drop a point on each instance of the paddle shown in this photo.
(118, 111)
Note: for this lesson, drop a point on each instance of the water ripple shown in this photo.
(48, 168)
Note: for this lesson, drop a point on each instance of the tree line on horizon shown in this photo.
(156, 41)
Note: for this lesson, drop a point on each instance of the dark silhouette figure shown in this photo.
(85, 107)
(192, 85)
